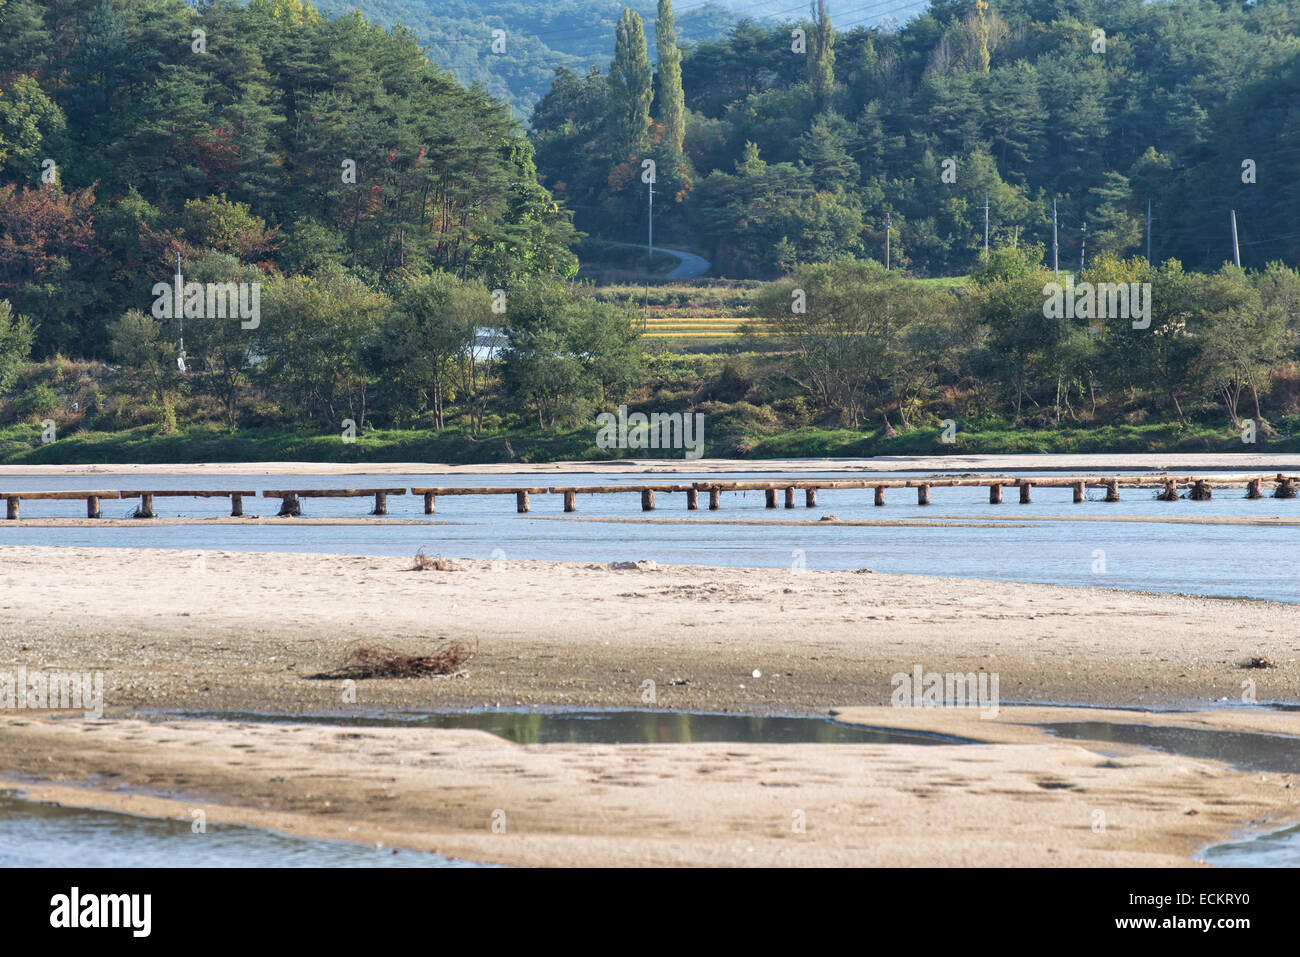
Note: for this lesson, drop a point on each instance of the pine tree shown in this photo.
(630, 90)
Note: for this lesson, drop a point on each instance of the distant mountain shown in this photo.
(540, 35)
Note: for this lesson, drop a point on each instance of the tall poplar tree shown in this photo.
(821, 57)
(630, 90)
(672, 102)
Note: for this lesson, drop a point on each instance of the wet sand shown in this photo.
(1030, 801)
(187, 631)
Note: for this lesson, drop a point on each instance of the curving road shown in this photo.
(688, 265)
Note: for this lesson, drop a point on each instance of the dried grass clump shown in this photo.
(1258, 663)
(423, 563)
(367, 662)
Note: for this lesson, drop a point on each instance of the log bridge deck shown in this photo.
(1199, 488)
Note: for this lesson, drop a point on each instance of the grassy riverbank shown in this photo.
(21, 444)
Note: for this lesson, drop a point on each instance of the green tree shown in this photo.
(630, 90)
(16, 337)
(821, 57)
(671, 103)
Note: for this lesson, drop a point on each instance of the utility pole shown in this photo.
(179, 308)
(1236, 250)
(1148, 230)
(650, 251)
(1083, 247)
(888, 224)
(650, 238)
(986, 224)
(1056, 249)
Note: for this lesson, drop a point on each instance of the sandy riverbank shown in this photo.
(219, 631)
(1029, 801)
(243, 630)
(1182, 462)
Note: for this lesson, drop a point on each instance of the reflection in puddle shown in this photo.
(622, 727)
(1244, 750)
(44, 835)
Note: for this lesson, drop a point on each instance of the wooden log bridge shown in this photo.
(522, 495)
(291, 506)
(92, 499)
(1166, 486)
(147, 496)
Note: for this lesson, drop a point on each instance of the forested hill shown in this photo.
(263, 137)
(540, 35)
(1192, 106)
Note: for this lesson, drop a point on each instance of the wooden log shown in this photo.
(810, 497)
(923, 495)
(570, 501)
(521, 501)
(290, 507)
(92, 506)
(1026, 492)
(171, 493)
(62, 496)
(770, 495)
(381, 504)
(236, 504)
(789, 497)
(1170, 494)
(715, 499)
(692, 499)
(995, 494)
(880, 495)
(146, 506)
(1252, 489)
(1285, 488)
(647, 500)
(1080, 493)
(12, 511)
(1200, 492)
(430, 503)
(453, 490)
(1112, 491)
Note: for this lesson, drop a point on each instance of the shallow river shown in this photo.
(1228, 560)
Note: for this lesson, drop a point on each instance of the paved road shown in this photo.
(688, 266)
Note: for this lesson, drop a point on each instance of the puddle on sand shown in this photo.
(622, 727)
(1244, 750)
(1278, 849)
(44, 835)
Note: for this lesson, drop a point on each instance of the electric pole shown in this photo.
(888, 224)
(1148, 230)
(179, 308)
(1056, 249)
(986, 224)
(1236, 250)
(650, 238)
(1083, 247)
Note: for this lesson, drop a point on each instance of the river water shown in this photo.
(45, 835)
(1256, 561)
